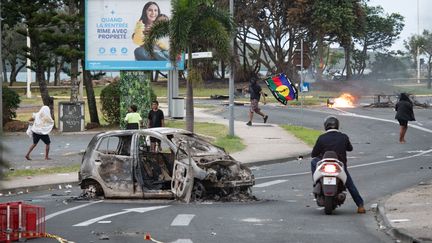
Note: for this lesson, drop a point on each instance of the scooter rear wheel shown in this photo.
(328, 205)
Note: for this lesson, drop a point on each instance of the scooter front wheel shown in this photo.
(328, 205)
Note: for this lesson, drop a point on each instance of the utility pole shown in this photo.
(301, 80)
(418, 48)
(231, 79)
(1, 80)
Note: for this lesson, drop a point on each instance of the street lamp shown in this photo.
(231, 80)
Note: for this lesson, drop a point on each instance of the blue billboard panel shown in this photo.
(115, 33)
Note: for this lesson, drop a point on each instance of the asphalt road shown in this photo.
(285, 210)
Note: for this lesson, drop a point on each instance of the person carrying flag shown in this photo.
(255, 95)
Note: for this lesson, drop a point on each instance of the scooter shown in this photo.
(329, 182)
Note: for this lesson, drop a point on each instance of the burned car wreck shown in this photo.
(162, 163)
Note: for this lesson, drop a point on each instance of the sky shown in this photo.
(408, 9)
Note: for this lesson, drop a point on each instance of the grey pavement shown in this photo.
(405, 215)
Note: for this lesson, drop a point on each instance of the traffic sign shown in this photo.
(196, 55)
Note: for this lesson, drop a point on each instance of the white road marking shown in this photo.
(137, 210)
(399, 220)
(391, 160)
(346, 113)
(183, 241)
(270, 183)
(353, 166)
(70, 209)
(283, 175)
(255, 220)
(105, 222)
(182, 220)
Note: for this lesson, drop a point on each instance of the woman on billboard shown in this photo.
(150, 14)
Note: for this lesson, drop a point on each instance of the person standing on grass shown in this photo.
(42, 126)
(155, 119)
(133, 118)
(255, 95)
(404, 113)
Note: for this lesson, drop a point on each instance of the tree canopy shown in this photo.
(193, 24)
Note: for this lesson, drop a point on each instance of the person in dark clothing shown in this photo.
(155, 119)
(404, 113)
(334, 140)
(255, 95)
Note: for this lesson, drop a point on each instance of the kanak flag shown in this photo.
(282, 88)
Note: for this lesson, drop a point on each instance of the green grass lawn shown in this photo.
(37, 103)
(43, 171)
(416, 89)
(218, 133)
(307, 135)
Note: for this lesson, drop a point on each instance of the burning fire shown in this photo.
(345, 100)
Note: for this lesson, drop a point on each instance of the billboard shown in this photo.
(115, 32)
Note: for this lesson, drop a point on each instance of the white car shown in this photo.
(180, 164)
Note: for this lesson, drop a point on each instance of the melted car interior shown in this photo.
(152, 169)
(155, 164)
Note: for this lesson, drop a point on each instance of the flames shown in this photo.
(345, 100)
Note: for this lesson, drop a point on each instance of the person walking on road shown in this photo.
(255, 95)
(42, 126)
(133, 118)
(404, 113)
(155, 119)
(334, 140)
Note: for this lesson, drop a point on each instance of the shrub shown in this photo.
(11, 102)
(110, 100)
(133, 88)
(136, 90)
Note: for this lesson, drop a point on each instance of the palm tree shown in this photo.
(193, 23)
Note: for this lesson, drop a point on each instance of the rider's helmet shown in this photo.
(331, 122)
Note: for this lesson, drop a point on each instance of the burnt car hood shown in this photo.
(210, 162)
(202, 152)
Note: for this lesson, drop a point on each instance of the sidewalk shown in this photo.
(265, 143)
(406, 215)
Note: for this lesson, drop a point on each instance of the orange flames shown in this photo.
(345, 100)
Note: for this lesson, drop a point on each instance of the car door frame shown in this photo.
(112, 189)
(183, 177)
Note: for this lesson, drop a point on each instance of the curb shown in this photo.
(28, 189)
(275, 161)
(399, 234)
(55, 133)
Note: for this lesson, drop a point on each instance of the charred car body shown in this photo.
(121, 164)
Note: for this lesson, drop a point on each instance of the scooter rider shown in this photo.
(334, 140)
